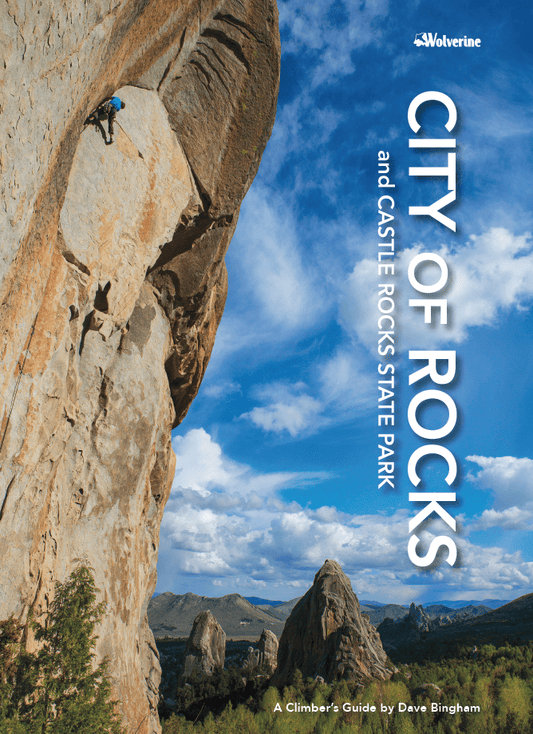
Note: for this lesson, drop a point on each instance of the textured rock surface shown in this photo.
(265, 653)
(326, 635)
(206, 647)
(112, 282)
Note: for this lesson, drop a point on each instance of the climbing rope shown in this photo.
(17, 384)
(131, 141)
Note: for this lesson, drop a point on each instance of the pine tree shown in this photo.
(10, 634)
(56, 690)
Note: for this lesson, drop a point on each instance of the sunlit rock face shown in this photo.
(206, 647)
(264, 655)
(112, 283)
(327, 636)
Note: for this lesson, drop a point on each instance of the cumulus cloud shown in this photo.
(288, 408)
(491, 569)
(201, 466)
(228, 523)
(482, 570)
(512, 518)
(491, 275)
(509, 479)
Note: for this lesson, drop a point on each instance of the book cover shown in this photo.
(363, 425)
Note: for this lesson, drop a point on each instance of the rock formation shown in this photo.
(404, 632)
(406, 641)
(417, 618)
(112, 283)
(326, 635)
(264, 655)
(206, 647)
(411, 629)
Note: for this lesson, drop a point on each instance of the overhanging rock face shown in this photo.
(112, 283)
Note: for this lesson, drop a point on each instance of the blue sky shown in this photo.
(277, 458)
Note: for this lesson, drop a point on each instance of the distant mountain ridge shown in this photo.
(450, 603)
(410, 638)
(172, 615)
(460, 603)
(257, 601)
(378, 612)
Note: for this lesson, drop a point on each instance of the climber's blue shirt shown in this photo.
(116, 103)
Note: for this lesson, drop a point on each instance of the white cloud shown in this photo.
(226, 522)
(279, 294)
(482, 570)
(302, 130)
(492, 274)
(202, 468)
(333, 29)
(508, 478)
(492, 568)
(510, 483)
(343, 387)
(512, 518)
(346, 382)
(287, 410)
(285, 288)
(220, 390)
(200, 464)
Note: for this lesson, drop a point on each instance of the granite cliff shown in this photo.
(112, 283)
(326, 635)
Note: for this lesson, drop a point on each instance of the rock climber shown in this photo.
(106, 111)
